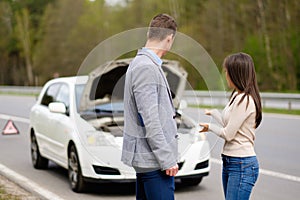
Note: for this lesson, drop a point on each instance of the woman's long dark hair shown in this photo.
(241, 71)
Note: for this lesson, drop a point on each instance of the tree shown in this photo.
(55, 36)
(23, 33)
(51, 53)
(5, 38)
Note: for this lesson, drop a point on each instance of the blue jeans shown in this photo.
(239, 176)
(154, 185)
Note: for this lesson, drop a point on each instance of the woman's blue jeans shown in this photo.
(239, 176)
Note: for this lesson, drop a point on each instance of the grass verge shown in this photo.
(6, 196)
(281, 111)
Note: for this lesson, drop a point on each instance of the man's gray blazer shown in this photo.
(150, 132)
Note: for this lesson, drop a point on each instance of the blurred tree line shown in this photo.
(42, 38)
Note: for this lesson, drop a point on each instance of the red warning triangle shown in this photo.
(10, 128)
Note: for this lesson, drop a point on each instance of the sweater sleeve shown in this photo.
(217, 116)
(238, 115)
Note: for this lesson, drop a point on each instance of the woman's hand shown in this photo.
(207, 112)
(205, 127)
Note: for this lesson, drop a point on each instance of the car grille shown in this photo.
(202, 165)
(106, 170)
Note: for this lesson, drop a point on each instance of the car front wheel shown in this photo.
(74, 171)
(38, 161)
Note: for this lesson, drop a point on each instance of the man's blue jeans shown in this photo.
(154, 185)
(239, 176)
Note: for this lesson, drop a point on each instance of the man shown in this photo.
(150, 132)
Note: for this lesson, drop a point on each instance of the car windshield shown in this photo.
(109, 117)
(110, 109)
(114, 107)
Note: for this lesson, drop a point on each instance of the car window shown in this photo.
(63, 95)
(50, 94)
(78, 93)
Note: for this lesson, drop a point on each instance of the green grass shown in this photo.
(265, 110)
(18, 94)
(5, 196)
(281, 111)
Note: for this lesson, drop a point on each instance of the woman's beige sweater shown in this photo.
(238, 126)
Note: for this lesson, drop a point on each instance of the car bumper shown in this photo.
(193, 163)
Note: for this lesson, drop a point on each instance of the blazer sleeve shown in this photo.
(145, 89)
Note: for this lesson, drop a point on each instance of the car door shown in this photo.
(40, 118)
(61, 126)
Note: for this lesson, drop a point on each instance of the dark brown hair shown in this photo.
(241, 71)
(161, 26)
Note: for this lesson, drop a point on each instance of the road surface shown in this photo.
(277, 148)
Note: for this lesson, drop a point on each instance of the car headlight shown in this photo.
(98, 138)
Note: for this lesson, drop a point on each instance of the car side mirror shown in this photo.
(57, 107)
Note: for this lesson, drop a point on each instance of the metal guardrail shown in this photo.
(291, 101)
(20, 90)
(195, 97)
(220, 98)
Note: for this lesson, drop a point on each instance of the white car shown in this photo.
(77, 122)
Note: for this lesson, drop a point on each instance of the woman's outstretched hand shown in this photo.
(205, 127)
(207, 112)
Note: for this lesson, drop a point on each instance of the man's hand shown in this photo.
(172, 171)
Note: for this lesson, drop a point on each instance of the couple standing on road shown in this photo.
(150, 133)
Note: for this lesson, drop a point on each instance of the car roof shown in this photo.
(72, 80)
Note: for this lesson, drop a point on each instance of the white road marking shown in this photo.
(279, 175)
(27, 184)
(267, 172)
(14, 118)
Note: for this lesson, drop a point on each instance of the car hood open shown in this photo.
(106, 82)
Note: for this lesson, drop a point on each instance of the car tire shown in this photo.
(74, 171)
(191, 181)
(38, 161)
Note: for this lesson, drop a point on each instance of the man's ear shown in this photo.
(169, 38)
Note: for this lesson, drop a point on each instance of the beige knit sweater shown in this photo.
(238, 126)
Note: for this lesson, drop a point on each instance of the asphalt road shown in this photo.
(277, 147)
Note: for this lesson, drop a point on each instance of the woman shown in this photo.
(239, 119)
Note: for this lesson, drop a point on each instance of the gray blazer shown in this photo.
(150, 131)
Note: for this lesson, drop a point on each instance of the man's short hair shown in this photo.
(161, 26)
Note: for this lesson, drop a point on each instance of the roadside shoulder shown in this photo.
(13, 191)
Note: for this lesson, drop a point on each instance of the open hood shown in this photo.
(106, 83)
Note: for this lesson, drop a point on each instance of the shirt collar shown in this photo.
(153, 55)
